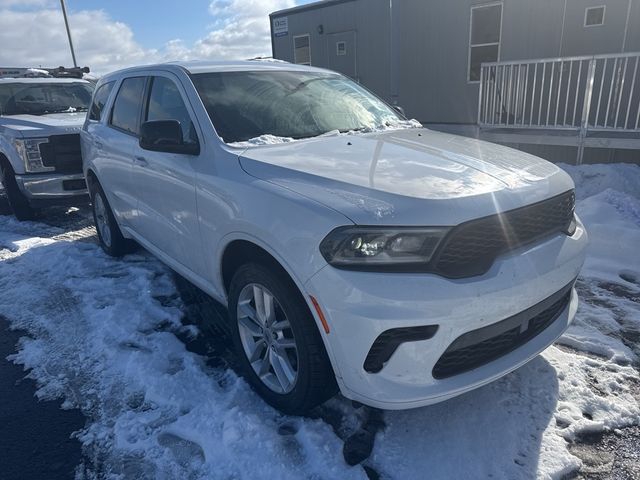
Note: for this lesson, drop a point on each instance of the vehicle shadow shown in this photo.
(493, 432)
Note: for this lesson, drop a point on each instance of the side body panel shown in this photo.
(165, 186)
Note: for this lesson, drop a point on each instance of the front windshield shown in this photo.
(248, 105)
(44, 98)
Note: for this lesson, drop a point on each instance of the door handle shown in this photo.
(141, 161)
(97, 144)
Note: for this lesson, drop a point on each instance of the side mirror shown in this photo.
(400, 110)
(165, 136)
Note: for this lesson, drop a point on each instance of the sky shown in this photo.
(111, 34)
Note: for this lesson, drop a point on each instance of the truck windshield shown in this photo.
(247, 105)
(43, 98)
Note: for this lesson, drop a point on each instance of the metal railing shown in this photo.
(591, 93)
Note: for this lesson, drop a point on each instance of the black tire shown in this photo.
(5, 208)
(315, 382)
(14, 197)
(109, 234)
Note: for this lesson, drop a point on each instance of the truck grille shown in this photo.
(481, 346)
(471, 248)
(63, 153)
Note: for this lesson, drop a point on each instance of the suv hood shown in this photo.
(408, 177)
(44, 125)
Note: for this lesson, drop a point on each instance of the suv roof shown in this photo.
(218, 66)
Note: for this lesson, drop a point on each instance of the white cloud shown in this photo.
(240, 30)
(36, 36)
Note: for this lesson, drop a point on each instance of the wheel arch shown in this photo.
(240, 250)
(92, 179)
(243, 248)
(4, 160)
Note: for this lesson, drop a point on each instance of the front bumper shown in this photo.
(359, 306)
(53, 189)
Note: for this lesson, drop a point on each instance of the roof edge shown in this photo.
(311, 6)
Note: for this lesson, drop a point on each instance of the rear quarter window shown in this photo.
(127, 105)
(99, 100)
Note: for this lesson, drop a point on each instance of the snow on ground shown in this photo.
(102, 336)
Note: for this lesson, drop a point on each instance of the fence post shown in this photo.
(480, 91)
(586, 109)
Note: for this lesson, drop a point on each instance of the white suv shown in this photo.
(352, 247)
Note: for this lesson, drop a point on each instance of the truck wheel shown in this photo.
(5, 208)
(280, 350)
(111, 239)
(16, 200)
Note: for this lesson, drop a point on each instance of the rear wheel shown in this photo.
(111, 239)
(281, 352)
(14, 197)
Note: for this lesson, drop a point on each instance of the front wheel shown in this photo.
(16, 200)
(111, 239)
(281, 352)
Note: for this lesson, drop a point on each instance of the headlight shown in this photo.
(381, 248)
(29, 150)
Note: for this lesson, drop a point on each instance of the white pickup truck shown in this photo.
(40, 160)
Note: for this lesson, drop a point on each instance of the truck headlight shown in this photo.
(29, 150)
(382, 248)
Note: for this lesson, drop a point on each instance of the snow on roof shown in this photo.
(48, 80)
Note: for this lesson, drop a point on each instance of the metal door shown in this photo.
(341, 51)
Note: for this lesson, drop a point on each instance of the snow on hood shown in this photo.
(388, 176)
(43, 125)
(276, 140)
(262, 140)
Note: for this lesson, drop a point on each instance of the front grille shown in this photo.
(63, 153)
(481, 346)
(471, 248)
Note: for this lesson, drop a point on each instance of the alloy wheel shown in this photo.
(267, 338)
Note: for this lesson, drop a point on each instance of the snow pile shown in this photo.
(100, 339)
(593, 179)
(102, 336)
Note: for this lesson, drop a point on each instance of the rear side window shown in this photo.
(99, 100)
(127, 105)
(165, 103)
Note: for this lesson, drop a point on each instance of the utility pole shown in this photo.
(66, 22)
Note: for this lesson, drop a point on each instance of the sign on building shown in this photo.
(280, 27)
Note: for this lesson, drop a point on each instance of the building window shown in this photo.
(341, 48)
(302, 50)
(594, 16)
(484, 37)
